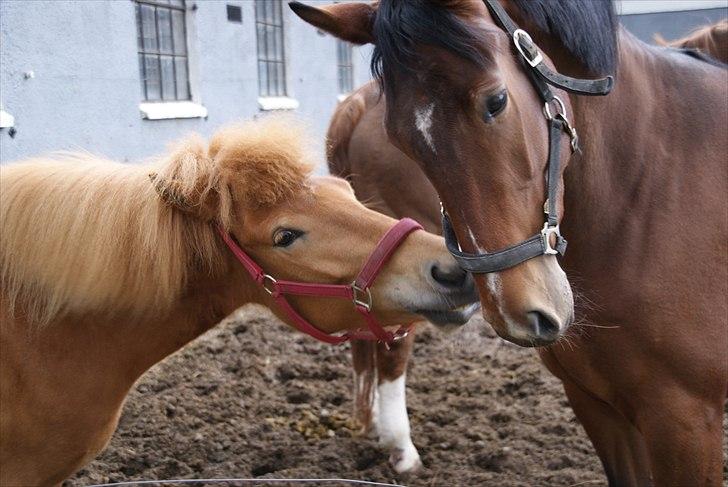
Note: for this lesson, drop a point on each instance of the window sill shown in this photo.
(6, 120)
(277, 103)
(172, 109)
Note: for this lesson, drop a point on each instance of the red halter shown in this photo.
(358, 292)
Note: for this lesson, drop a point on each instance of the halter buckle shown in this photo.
(268, 283)
(537, 57)
(546, 233)
(358, 294)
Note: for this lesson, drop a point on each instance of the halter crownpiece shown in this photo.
(358, 292)
(541, 77)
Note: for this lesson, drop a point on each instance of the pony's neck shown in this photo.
(206, 301)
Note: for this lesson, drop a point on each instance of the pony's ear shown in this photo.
(348, 21)
(170, 192)
(173, 193)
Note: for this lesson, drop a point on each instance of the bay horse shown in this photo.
(358, 149)
(105, 271)
(643, 203)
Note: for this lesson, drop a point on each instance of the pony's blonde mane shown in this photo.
(82, 234)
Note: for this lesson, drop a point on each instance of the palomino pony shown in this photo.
(104, 273)
(643, 204)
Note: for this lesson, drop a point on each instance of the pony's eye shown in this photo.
(495, 104)
(285, 237)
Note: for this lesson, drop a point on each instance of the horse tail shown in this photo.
(345, 119)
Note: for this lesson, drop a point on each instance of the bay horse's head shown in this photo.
(461, 104)
(254, 181)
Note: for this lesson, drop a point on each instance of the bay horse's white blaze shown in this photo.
(393, 425)
(423, 122)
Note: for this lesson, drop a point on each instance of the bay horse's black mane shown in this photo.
(587, 29)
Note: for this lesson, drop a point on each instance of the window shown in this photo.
(271, 55)
(162, 47)
(345, 66)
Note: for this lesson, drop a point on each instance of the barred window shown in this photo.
(271, 54)
(345, 66)
(162, 48)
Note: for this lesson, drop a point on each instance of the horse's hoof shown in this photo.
(405, 460)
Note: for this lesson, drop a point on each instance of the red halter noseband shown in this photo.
(358, 292)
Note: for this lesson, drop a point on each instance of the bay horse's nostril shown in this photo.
(451, 278)
(542, 327)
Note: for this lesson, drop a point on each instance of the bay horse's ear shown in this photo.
(348, 21)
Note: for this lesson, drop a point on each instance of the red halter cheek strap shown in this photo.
(358, 292)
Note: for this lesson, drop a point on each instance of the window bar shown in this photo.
(144, 60)
(174, 56)
(284, 91)
(159, 58)
(187, 49)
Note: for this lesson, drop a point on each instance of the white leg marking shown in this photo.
(393, 426)
(423, 122)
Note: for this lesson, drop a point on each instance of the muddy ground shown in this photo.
(254, 399)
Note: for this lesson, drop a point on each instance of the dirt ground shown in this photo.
(254, 399)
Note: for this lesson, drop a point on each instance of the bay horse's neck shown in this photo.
(639, 144)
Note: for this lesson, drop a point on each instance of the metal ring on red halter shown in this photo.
(267, 278)
(356, 292)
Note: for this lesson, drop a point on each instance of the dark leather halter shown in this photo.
(541, 77)
(358, 292)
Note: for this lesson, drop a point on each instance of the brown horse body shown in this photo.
(104, 274)
(644, 210)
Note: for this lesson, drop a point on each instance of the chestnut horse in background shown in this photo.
(644, 205)
(105, 273)
(387, 181)
(709, 39)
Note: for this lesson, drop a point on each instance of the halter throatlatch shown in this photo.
(541, 77)
(358, 292)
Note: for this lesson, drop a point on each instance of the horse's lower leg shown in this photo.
(684, 439)
(618, 443)
(363, 355)
(393, 423)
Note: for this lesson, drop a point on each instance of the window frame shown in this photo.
(143, 51)
(344, 67)
(278, 87)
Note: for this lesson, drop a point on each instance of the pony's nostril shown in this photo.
(542, 326)
(454, 277)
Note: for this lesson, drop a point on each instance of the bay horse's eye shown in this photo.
(285, 237)
(494, 105)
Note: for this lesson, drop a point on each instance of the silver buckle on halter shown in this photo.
(538, 59)
(561, 114)
(271, 281)
(357, 300)
(546, 233)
